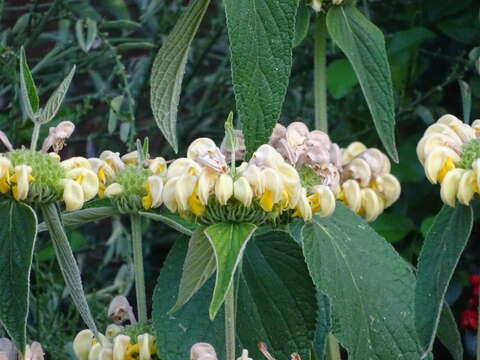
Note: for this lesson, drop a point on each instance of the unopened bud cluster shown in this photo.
(450, 153)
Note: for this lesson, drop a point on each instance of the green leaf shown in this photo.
(27, 87)
(370, 287)
(393, 227)
(199, 266)
(276, 303)
(173, 220)
(261, 37)
(168, 70)
(86, 42)
(302, 23)
(83, 216)
(323, 327)
(114, 112)
(228, 241)
(364, 45)
(18, 231)
(55, 100)
(440, 254)
(448, 333)
(341, 78)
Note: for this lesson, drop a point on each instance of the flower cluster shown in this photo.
(130, 342)
(131, 183)
(34, 351)
(367, 186)
(450, 153)
(41, 177)
(357, 176)
(266, 187)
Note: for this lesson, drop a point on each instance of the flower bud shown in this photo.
(206, 185)
(21, 178)
(449, 187)
(112, 159)
(322, 200)
(120, 310)
(87, 179)
(351, 195)
(433, 141)
(203, 351)
(438, 162)
(183, 166)
(113, 190)
(130, 158)
(242, 191)
(154, 187)
(443, 129)
(316, 5)
(112, 331)
(224, 188)
(146, 345)
(352, 150)
(372, 204)
(476, 127)
(120, 346)
(55, 156)
(206, 153)
(158, 165)
(297, 133)
(82, 344)
(76, 162)
(390, 189)
(266, 157)
(95, 351)
(57, 136)
(467, 187)
(183, 190)
(73, 195)
(360, 170)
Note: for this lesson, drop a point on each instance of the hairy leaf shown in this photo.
(261, 37)
(440, 254)
(168, 70)
(27, 87)
(448, 333)
(302, 23)
(370, 287)
(364, 45)
(18, 231)
(173, 220)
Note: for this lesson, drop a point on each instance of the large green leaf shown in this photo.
(440, 254)
(18, 231)
(261, 37)
(370, 287)
(323, 327)
(448, 333)
(276, 303)
(228, 241)
(199, 266)
(364, 45)
(168, 70)
(28, 89)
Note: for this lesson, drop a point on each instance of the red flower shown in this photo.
(469, 320)
(474, 280)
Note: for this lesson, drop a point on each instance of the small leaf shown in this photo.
(91, 33)
(135, 45)
(261, 39)
(83, 216)
(466, 100)
(122, 25)
(364, 45)
(115, 106)
(175, 221)
(448, 333)
(27, 87)
(438, 259)
(18, 231)
(199, 266)
(168, 70)
(302, 23)
(55, 100)
(80, 34)
(228, 241)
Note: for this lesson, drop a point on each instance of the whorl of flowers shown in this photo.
(202, 185)
(120, 342)
(367, 186)
(450, 153)
(131, 183)
(40, 177)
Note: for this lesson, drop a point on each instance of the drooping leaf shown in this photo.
(173, 220)
(261, 36)
(440, 254)
(27, 87)
(55, 100)
(168, 70)
(276, 303)
(370, 287)
(18, 231)
(302, 23)
(199, 266)
(448, 333)
(364, 45)
(228, 241)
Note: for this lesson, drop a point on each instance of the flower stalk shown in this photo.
(230, 323)
(136, 223)
(320, 73)
(35, 135)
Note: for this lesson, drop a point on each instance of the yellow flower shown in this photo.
(266, 157)
(350, 195)
(255, 178)
(322, 200)
(131, 158)
(104, 172)
(20, 181)
(352, 151)
(82, 344)
(273, 189)
(303, 209)
(112, 159)
(438, 162)
(76, 162)
(146, 343)
(73, 195)
(467, 187)
(389, 187)
(371, 204)
(113, 330)
(158, 165)
(169, 194)
(224, 188)
(113, 190)
(183, 190)
(195, 204)
(206, 184)
(120, 346)
(242, 191)
(449, 187)
(183, 166)
(87, 179)
(5, 169)
(154, 187)
(95, 351)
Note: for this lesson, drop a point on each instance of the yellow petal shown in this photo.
(106, 354)
(303, 209)
(449, 187)
(183, 166)
(131, 158)
(438, 162)
(169, 194)
(325, 200)
(146, 344)
(224, 188)
(467, 187)
(352, 150)
(443, 129)
(120, 346)
(158, 165)
(22, 179)
(82, 344)
(72, 195)
(155, 188)
(95, 351)
(372, 204)
(255, 178)
(352, 196)
(206, 184)
(390, 189)
(76, 162)
(266, 201)
(242, 191)
(273, 182)
(113, 190)
(183, 190)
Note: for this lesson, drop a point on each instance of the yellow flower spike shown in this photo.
(95, 351)
(158, 165)
(322, 200)
(242, 191)
(82, 344)
(224, 188)
(21, 180)
(113, 330)
(169, 194)
(106, 354)
(183, 190)
(113, 190)
(182, 166)
(352, 150)
(112, 159)
(372, 204)
(303, 208)
(360, 171)
(467, 187)
(255, 178)
(146, 345)
(390, 189)
(206, 185)
(87, 179)
(76, 162)
(154, 187)
(438, 162)
(120, 346)
(73, 195)
(350, 195)
(449, 187)
(273, 189)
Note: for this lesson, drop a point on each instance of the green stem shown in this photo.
(136, 222)
(35, 134)
(333, 349)
(68, 265)
(230, 323)
(320, 73)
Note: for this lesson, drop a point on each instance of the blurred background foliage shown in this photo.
(434, 56)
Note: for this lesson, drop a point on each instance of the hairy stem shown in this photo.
(68, 265)
(136, 222)
(230, 323)
(320, 73)
(35, 134)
